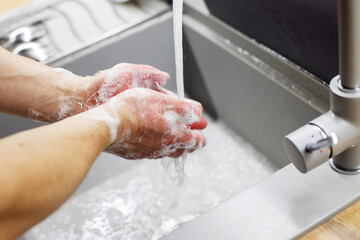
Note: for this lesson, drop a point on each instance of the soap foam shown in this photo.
(115, 79)
(65, 76)
(66, 103)
(124, 76)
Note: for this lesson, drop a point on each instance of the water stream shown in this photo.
(179, 65)
(178, 43)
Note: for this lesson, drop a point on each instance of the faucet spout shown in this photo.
(349, 38)
(335, 135)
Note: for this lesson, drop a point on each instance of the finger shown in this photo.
(168, 93)
(149, 77)
(113, 82)
(183, 111)
(177, 153)
(124, 76)
(199, 139)
(183, 107)
(189, 139)
(199, 125)
(199, 143)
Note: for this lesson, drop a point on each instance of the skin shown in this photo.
(42, 89)
(147, 133)
(42, 167)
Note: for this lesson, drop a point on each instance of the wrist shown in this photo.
(106, 117)
(71, 94)
(95, 131)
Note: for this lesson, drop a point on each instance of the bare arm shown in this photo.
(26, 84)
(34, 90)
(40, 168)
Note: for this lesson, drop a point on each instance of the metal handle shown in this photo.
(307, 147)
(327, 142)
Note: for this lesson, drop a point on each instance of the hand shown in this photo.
(109, 83)
(148, 124)
(75, 94)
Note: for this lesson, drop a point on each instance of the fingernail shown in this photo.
(201, 124)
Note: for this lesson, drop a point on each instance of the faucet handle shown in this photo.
(308, 147)
(326, 142)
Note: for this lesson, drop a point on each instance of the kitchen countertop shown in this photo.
(8, 5)
(345, 225)
(286, 205)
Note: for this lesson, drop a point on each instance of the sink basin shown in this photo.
(110, 176)
(244, 86)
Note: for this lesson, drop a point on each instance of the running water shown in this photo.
(178, 40)
(178, 44)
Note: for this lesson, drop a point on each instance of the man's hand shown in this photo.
(77, 94)
(31, 89)
(148, 124)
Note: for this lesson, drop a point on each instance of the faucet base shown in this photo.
(341, 170)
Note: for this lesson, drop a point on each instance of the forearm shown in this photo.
(31, 89)
(34, 90)
(25, 84)
(40, 169)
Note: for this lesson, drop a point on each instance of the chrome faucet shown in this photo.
(335, 136)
